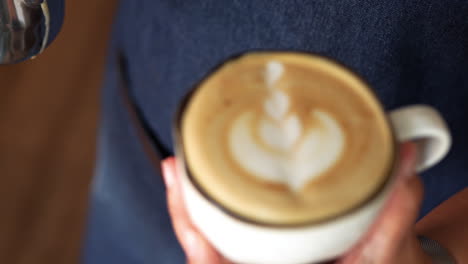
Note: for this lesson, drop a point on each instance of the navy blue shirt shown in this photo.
(409, 51)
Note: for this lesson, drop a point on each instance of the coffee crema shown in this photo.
(286, 138)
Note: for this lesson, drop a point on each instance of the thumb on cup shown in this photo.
(196, 247)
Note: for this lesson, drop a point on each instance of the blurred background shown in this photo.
(49, 109)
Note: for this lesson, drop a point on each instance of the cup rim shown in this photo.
(180, 153)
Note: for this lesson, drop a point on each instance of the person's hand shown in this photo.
(390, 240)
(196, 247)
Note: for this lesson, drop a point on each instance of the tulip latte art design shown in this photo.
(285, 138)
(301, 153)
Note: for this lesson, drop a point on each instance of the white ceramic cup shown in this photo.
(247, 242)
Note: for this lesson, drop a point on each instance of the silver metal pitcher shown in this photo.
(27, 27)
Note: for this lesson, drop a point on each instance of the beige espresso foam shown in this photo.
(286, 138)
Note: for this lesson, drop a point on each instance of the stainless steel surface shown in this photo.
(439, 254)
(24, 29)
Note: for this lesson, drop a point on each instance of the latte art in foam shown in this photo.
(297, 153)
(285, 138)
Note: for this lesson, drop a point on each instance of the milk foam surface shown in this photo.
(301, 154)
(285, 138)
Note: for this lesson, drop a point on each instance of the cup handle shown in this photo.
(425, 126)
